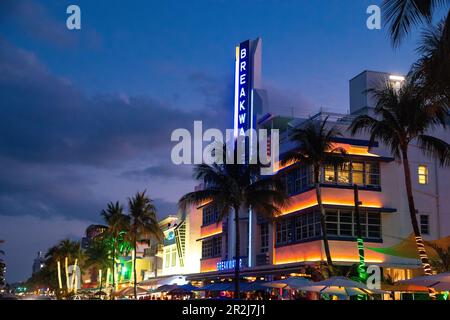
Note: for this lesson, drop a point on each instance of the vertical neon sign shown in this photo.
(242, 112)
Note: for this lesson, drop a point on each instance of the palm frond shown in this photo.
(402, 15)
(435, 147)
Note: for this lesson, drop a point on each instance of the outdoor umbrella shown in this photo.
(338, 286)
(129, 291)
(289, 283)
(186, 288)
(253, 286)
(440, 282)
(166, 288)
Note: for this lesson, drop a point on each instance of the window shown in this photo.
(307, 225)
(210, 215)
(212, 247)
(342, 223)
(167, 259)
(344, 173)
(372, 173)
(424, 224)
(422, 174)
(330, 175)
(264, 233)
(361, 173)
(173, 261)
(284, 231)
(170, 257)
(298, 180)
(358, 173)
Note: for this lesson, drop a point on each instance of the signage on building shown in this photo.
(242, 89)
(228, 264)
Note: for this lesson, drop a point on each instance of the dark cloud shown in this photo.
(167, 170)
(46, 119)
(164, 208)
(58, 146)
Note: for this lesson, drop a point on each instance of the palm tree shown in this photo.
(234, 188)
(402, 15)
(404, 117)
(442, 262)
(144, 225)
(315, 149)
(65, 250)
(97, 256)
(432, 71)
(118, 224)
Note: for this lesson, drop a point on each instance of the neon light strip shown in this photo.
(236, 93)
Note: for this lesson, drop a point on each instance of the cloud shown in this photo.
(46, 119)
(166, 171)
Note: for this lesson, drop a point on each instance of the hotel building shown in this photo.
(293, 240)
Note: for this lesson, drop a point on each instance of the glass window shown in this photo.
(422, 173)
(342, 223)
(173, 261)
(283, 231)
(264, 232)
(332, 222)
(358, 173)
(167, 259)
(424, 224)
(344, 173)
(372, 173)
(330, 175)
(212, 247)
(210, 215)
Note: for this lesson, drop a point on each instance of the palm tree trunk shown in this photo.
(322, 217)
(237, 253)
(412, 212)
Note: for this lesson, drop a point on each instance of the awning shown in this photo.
(407, 248)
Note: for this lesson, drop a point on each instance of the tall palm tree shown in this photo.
(234, 188)
(432, 71)
(403, 117)
(402, 15)
(315, 149)
(65, 249)
(118, 224)
(144, 225)
(97, 256)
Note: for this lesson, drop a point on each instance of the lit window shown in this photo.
(344, 173)
(329, 173)
(422, 173)
(358, 173)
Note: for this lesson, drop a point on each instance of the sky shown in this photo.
(86, 115)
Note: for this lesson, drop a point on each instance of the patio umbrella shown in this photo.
(440, 282)
(289, 283)
(166, 288)
(130, 291)
(186, 288)
(253, 286)
(338, 286)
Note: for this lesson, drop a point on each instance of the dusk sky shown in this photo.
(86, 115)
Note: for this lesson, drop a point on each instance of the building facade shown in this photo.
(293, 241)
